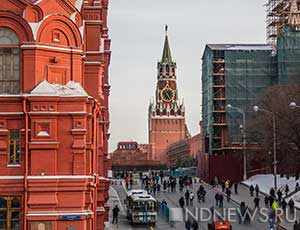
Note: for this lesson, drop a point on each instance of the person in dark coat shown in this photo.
(187, 197)
(287, 190)
(115, 211)
(296, 225)
(271, 200)
(228, 193)
(195, 225)
(188, 225)
(221, 198)
(236, 188)
(266, 201)
(223, 185)
(217, 198)
(257, 190)
(272, 192)
(283, 205)
(256, 202)
(181, 202)
(251, 189)
(279, 195)
(291, 205)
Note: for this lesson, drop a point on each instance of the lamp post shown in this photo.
(293, 105)
(257, 109)
(241, 111)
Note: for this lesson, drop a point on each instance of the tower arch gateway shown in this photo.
(166, 116)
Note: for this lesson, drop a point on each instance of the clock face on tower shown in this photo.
(167, 94)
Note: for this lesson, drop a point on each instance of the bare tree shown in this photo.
(277, 99)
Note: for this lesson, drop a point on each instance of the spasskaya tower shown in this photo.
(166, 120)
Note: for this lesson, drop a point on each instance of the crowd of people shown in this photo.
(157, 182)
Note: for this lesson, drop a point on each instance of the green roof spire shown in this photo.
(166, 57)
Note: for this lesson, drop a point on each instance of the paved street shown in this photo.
(117, 193)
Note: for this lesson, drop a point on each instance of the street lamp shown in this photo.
(257, 109)
(241, 111)
(293, 105)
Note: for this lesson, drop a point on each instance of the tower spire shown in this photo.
(166, 57)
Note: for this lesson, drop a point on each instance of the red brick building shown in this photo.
(133, 156)
(54, 120)
(166, 116)
(189, 148)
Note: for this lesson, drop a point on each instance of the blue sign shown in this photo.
(71, 217)
(72, 228)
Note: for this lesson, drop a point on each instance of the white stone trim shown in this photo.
(11, 113)
(13, 166)
(57, 113)
(61, 177)
(11, 177)
(43, 142)
(19, 177)
(166, 117)
(51, 47)
(60, 213)
(92, 62)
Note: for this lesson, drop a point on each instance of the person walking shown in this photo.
(256, 202)
(291, 205)
(296, 226)
(203, 193)
(217, 198)
(115, 211)
(188, 225)
(221, 198)
(191, 198)
(181, 202)
(228, 193)
(223, 185)
(127, 183)
(272, 192)
(195, 225)
(257, 190)
(287, 190)
(279, 195)
(199, 195)
(131, 182)
(266, 201)
(283, 205)
(297, 188)
(236, 188)
(187, 197)
(251, 189)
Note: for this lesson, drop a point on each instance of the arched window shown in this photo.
(9, 62)
(10, 213)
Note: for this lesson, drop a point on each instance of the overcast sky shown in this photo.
(137, 33)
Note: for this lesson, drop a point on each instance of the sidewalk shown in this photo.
(244, 196)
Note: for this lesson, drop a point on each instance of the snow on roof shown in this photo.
(78, 4)
(70, 89)
(240, 46)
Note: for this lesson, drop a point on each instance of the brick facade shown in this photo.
(131, 155)
(54, 115)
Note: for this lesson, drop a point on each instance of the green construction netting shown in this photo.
(207, 97)
(247, 73)
(288, 54)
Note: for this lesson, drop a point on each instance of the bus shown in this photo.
(141, 208)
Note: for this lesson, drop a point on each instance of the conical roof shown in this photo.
(166, 57)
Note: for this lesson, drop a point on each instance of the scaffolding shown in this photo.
(232, 74)
(277, 17)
